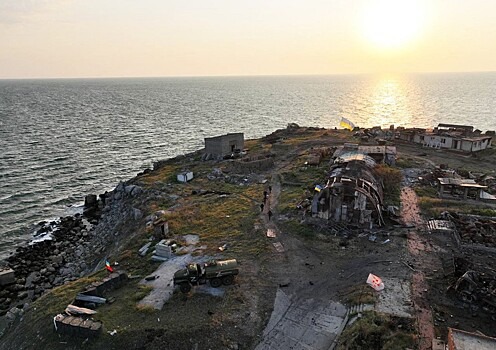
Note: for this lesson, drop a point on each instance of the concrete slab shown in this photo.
(303, 324)
(191, 239)
(392, 298)
(163, 286)
(7, 276)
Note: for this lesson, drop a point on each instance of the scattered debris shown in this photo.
(440, 226)
(76, 310)
(458, 339)
(77, 326)
(90, 298)
(143, 250)
(151, 278)
(163, 251)
(271, 233)
(7, 276)
(279, 247)
(223, 247)
(375, 282)
(478, 289)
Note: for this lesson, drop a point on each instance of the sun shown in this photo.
(392, 23)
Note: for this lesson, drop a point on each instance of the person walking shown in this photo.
(269, 214)
(261, 207)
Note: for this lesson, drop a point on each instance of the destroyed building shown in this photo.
(353, 193)
(224, 145)
(462, 188)
(380, 153)
(460, 340)
(448, 136)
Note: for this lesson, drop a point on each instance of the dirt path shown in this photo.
(419, 250)
(303, 317)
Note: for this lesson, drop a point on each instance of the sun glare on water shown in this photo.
(392, 23)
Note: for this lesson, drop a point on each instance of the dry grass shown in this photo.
(391, 178)
(378, 331)
(432, 207)
(361, 294)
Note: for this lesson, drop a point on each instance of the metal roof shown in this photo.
(350, 156)
(460, 182)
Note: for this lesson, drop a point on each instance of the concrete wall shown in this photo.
(254, 166)
(466, 146)
(480, 145)
(435, 141)
(223, 145)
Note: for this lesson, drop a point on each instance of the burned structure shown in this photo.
(353, 193)
(448, 136)
(380, 153)
(224, 145)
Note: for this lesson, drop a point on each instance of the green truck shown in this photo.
(217, 272)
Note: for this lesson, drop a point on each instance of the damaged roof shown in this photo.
(355, 156)
(459, 182)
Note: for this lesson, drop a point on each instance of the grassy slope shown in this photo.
(231, 219)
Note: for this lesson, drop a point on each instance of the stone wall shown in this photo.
(253, 165)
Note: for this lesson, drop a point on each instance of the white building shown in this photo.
(449, 136)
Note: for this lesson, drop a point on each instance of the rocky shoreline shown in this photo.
(77, 246)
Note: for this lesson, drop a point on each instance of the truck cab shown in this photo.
(216, 272)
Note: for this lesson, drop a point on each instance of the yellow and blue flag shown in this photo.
(347, 124)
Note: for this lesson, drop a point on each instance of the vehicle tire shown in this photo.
(185, 287)
(216, 282)
(468, 297)
(228, 280)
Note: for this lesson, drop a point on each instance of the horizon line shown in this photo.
(242, 75)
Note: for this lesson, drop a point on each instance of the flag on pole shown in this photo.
(108, 267)
(375, 282)
(347, 124)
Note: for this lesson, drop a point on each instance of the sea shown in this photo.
(61, 139)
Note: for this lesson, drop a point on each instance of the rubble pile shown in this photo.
(474, 287)
(430, 177)
(476, 230)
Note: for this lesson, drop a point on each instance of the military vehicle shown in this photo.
(216, 272)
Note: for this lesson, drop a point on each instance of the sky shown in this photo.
(149, 38)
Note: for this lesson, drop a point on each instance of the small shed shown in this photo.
(185, 176)
(224, 145)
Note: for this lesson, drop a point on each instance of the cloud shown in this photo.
(24, 11)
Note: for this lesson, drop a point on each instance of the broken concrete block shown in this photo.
(7, 277)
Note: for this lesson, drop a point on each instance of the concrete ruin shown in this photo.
(353, 193)
(383, 154)
(460, 188)
(448, 136)
(7, 276)
(461, 340)
(224, 145)
(253, 164)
